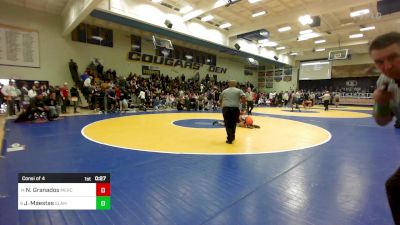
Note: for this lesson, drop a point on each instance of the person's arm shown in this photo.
(382, 112)
(4, 91)
(243, 97)
(18, 92)
(88, 82)
(62, 94)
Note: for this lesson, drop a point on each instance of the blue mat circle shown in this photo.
(197, 123)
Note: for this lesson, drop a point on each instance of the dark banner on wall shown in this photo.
(161, 60)
(356, 84)
(248, 72)
(150, 70)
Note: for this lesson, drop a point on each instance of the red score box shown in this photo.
(103, 189)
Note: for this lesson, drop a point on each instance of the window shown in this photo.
(93, 35)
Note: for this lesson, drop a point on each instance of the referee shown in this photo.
(230, 100)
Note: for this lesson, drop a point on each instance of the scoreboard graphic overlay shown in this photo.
(64, 191)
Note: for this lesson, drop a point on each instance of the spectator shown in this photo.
(52, 106)
(64, 97)
(10, 93)
(74, 97)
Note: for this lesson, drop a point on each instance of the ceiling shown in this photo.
(335, 27)
(49, 6)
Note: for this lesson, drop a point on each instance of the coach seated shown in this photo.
(193, 102)
(186, 99)
(202, 102)
(53, 108)
(36, 111)
(180, 104)
(170, 101)
(156, 103)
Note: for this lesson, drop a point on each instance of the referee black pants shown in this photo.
(326, 104)
(393, 195)
(11, 107)
(231, 117)
(250, 107)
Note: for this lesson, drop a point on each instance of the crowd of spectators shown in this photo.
(111, 92)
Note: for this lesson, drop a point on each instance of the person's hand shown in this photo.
(382, 111)
(382, 96)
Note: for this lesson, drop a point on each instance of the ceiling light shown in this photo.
(186, 9)
(347, 24)
(315, 63)
(253, 61)
(306, 19)
(97, 38)
(307, 36)
(254, 1)
(319, 41)
(259, 14)
(135, 46)
(219, 3)
(283, 29)
(356, 36)
(367, 28)
(207, 18)
(269, 44)
(192, 14)
(264, 33)
(225, 25)
(294, 53)
(280, 48)
(263, 41)
(359, 12)
(306, 31)
(319, 49)
(156, 1)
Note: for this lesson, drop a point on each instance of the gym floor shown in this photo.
(310, 167)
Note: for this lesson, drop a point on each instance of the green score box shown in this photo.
(103, 203)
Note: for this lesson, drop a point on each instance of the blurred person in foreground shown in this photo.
(385, 51)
